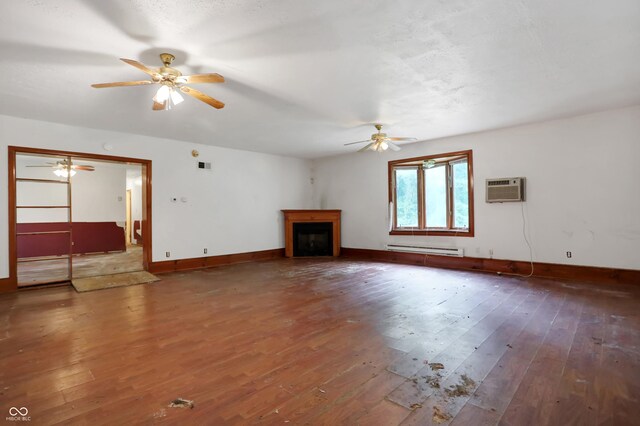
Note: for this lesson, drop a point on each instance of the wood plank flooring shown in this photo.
(325, 341)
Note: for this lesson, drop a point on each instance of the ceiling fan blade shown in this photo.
(367, 148)
(393, 146)
(43, 166)
(353, 143)
(140, 66)
(202, 97)
(203, 78)
(157, 106)
(403, 139)
(85, 168)
(122, 83)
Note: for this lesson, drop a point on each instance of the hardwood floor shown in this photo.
(327, 341)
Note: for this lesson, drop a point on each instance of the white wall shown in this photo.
(583, 191)
(99, 196)
(40, 193)
(235, 207)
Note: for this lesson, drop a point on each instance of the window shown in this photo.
(432, 195)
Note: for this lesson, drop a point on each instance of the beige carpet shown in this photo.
(110, 281)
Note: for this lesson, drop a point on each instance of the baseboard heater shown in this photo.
(439, 251)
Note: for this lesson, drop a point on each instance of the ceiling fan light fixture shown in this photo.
(176, 97)
(162, 94)
(171, 81)
(380, 142)
(168, 97)
(64, 173)
(427, 164)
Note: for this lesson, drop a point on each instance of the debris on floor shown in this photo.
(159, 414)
(288, 389)
(436, 366)
(415, 406)
(440, 416)
(509, 346)
(182, 403)
(461, 389)
(434, 381)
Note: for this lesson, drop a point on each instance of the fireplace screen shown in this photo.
(313, 239)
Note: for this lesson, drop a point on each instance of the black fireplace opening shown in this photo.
(313, 239)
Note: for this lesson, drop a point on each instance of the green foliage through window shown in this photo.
(432, 195)
(407, 197)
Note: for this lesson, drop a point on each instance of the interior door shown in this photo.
(43, 219)
(101, 211)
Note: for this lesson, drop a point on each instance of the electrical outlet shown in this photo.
(569, 254)
(168, 254)
(205, 251)
(490, 253)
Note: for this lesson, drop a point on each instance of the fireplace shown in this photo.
(312, 233)
(312, 239)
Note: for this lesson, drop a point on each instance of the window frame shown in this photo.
(448, 159)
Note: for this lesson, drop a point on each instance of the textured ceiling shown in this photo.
(304, 77)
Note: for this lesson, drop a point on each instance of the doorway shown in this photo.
(75, 215)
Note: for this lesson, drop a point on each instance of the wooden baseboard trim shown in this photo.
(213, 261)
(512, 267)
(7, 285)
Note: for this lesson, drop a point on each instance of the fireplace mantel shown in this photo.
(301, 216)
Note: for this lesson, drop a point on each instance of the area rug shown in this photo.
(111, 281)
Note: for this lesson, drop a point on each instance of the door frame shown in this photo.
(12, 284)
(128, 218)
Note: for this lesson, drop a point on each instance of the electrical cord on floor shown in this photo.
(524, 234)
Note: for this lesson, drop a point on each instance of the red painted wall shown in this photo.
(88, 237)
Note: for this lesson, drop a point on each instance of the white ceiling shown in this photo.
(304, 77)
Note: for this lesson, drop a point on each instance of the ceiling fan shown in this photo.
(62, 169)
(380, 142)
(171, 81)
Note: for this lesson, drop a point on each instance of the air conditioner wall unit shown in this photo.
(502, 190)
